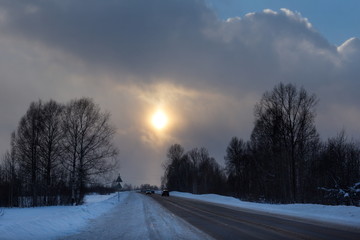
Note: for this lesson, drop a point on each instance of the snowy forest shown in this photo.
(56, 151)
(285, 160)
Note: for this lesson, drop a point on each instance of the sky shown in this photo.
(205, 64)
(336, 20)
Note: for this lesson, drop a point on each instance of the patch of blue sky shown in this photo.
(336, 20)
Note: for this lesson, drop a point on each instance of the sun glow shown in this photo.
(159, 120)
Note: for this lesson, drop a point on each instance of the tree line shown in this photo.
(55, 152)
(193, 171)
(284, 161)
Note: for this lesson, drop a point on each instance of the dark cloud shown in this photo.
(173, 38)
(142, 36)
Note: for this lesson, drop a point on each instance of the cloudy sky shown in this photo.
(205, 64)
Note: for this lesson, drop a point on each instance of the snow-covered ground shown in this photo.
(342, 215)
(52, 222)
(133, 216)
(138, 216)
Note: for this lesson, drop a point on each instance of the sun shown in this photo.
(159, 119)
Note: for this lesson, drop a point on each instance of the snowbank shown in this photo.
(53, 222)
(343, 215)
(62, 221)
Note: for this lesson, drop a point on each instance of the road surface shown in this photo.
(137, 217)
(222, 222)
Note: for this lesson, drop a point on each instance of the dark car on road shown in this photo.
(165, 193)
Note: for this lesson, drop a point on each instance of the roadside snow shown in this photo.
(135, 216)
(52, 222)
(93, 198)
(138, 217)
(342, 215)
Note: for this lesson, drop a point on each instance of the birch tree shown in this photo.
(87, 143)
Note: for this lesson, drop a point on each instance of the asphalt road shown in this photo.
(222, 222)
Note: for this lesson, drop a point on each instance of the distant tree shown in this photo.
(127, 187)
(177, 176)
(87, 143)
(28, 149)
(211, 178)
(10, 172)
(55, 152)
(175, 153)
(237, 166)
(337, 171)
(206, 175)
(6, 185)
(194, 171)
(50, 150)
(283, 135)
(196, 156)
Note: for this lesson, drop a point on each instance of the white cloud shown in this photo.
(269, 11)
(296, 16)
(350, 51)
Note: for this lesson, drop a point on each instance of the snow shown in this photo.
(137, 216)
(341, 215)
(134, 216)
(52, 222)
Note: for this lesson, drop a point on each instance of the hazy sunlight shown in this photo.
(159, 119)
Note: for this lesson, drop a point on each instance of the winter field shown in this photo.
(138, 216)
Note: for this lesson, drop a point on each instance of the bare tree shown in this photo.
(175, 152)
(87, 143)
(194, 171)
(236, 164)
(57, 148)
(177, 169)
(11, 170)
(27, 148)
(7, 180)
(202, 168)
(195, 159)
(338, 171)
(50, 149)
(285, 127)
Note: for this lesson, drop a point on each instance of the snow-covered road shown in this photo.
(138, 217)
